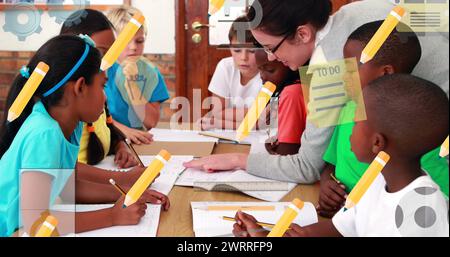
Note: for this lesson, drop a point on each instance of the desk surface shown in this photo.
(178, 220)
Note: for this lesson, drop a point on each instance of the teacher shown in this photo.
(295, 32)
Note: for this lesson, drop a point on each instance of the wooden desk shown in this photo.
(177, 222)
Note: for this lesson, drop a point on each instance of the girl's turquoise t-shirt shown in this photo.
(40, 146)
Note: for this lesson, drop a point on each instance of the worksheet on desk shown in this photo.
(256, 136)
(171, 135)
(210, 223)
(147, 227)
(169, 174)
(191, 176)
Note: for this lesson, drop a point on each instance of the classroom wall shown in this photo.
(160, 47)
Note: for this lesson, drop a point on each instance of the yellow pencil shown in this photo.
(382, 34)
(147, 178)
(119, 188)
(215, 6)
(122, 41)
(288, 217)
(262, 224)
(237, 208)
(47, 227)
(130, 146)
(255, 111)
(444, 149)
(366, 180)
(27, 91)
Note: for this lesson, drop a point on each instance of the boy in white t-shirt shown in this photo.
(236, 81)
(406, 118)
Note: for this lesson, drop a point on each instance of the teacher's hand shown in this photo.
(220, 162)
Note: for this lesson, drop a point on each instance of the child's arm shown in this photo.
(35, 194)
(136, 136)
(320, 229)
(96, 175)
(152, 115)
(93, 193)
(332, 193)
(123, 156)
(114, 216)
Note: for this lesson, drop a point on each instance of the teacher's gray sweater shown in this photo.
(306, 166)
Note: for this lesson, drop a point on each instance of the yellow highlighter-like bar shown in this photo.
(47, 227)
(122, 41)
(146, 178)
(255, 111)
(27, 91)
(240, 208)
(444, 149)
(394, 17)
(286, 220)
(215, 6)
(366, 180)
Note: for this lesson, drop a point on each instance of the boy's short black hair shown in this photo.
(410, 112)
(401, 49)
(239, 24)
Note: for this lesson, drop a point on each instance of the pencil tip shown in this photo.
(345, 209)
(124, 206)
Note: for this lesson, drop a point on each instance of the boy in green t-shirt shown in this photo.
(399, 54)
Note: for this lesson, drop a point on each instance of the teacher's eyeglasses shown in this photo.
(275, 49)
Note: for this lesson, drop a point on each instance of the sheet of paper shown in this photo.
(169, 174)
(271, 196)
(168, 135)
(148, 226)
(190, 176)
(254, 137)
(211, 224)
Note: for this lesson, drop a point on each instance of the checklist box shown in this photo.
(425, 15)
(329, 89)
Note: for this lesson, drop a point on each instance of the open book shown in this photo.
(260, 188)
(210, 222)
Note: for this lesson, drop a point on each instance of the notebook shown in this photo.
(239, 180)
(148, 226)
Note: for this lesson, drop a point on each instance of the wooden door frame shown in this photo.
(180, 48)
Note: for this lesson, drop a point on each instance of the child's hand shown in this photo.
(332, 196)
(138, 136)
(127, 216)
(219, 162)
(155, 197)
(295, 231)
(127, 179)
(124, 158)
(246, 226)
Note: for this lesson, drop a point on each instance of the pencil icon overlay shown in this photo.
(444, 149)
(146, 178)
(47, 227)
(255, 111)
(27, 91)
(366, 180)
(288, 217)
(122, 41)
(393, 19)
